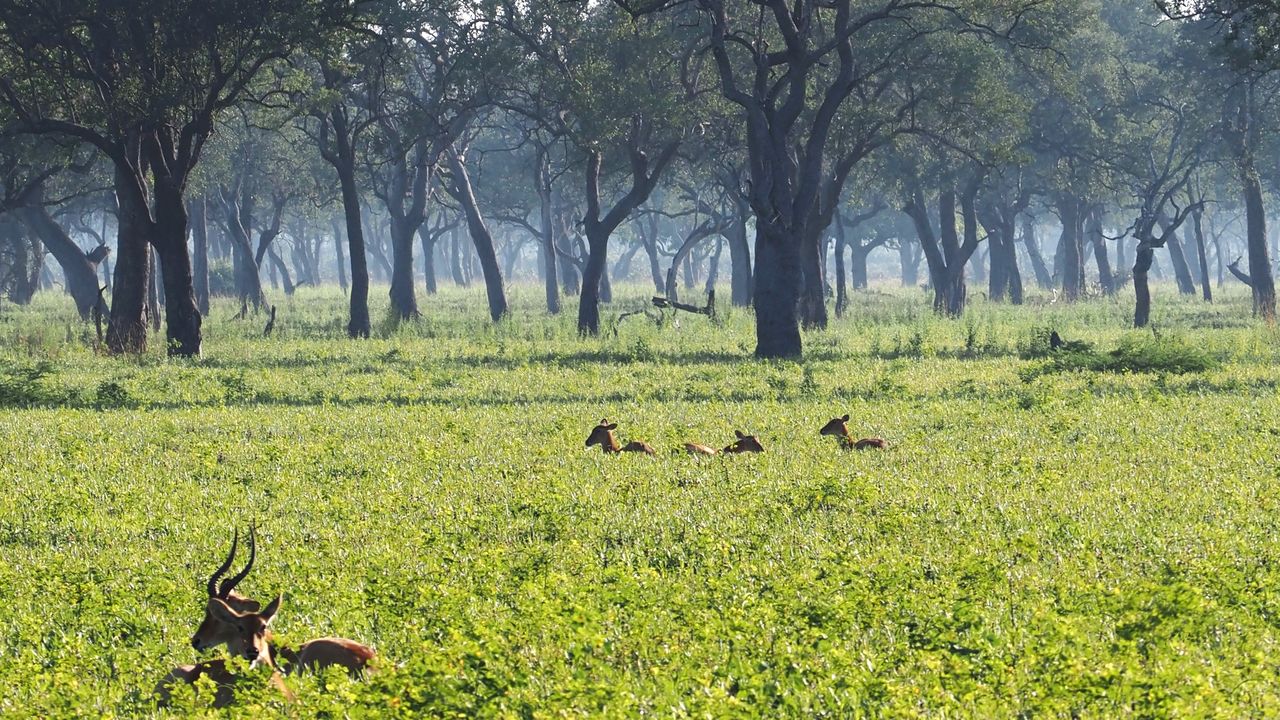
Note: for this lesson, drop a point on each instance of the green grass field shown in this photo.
(1086, 534)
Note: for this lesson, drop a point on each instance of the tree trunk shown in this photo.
(589, 300)
(550, 273)
(248, 280)
(1141, 288)
(740, 257)
(1032, 243)
(455, 259)
(358, 326)
(842, 294)
(1197, 221)
(80, 275)
(182, 316)
(200, 253)
(339, 258)
(404, 301)
(1178, 258)
(813, 300)
(778, 282)
(480, 237)
(1071, 268)
(1093, 229)
(127, 329)
(1238, 130)
(428, 239)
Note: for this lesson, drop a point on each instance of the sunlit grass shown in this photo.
(1037, 541)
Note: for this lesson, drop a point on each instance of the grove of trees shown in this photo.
(156, 152)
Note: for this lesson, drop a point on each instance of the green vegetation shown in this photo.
(1090, 534)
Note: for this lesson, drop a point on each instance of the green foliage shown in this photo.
(1087, 543)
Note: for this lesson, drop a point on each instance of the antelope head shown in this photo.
(213, 631)
(744, 444)
(246, 633)
(836, 427)
(602, 435)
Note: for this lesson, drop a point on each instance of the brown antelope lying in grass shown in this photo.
(603, 436)
(839, 428)
(235, 620)
(744, 444)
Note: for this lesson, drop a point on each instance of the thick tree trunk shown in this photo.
(1071, 267)
(778, 282)
(909, 263)
(127, 329)
(1141, 288)
(182, 316)
(404, 301)
(80, 275)
(200, 253)
(589, 300)
(813, 299)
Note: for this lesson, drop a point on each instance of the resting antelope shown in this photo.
(603, 436)
(233, 619)
(211, 633)
(744, 444)
(839, 428)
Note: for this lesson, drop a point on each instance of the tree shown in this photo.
(143, 82)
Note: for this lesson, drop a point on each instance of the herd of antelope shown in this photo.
(244, 625)
(603, 436)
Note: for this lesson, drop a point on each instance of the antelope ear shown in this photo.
(739, 434)
(845, 418)
(222, 612)
(272, 608)
(604, 421)
(611, 426)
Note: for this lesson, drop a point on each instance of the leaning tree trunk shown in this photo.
(1044, 280)
(481, 238)
(1181, 269)
(80, 274)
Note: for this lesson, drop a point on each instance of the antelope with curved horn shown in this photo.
(235, 620)
(840, 429)
(603, 436)
(212, 633)
(744, 444)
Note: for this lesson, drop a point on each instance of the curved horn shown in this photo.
(226, 565)
(230, 583)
